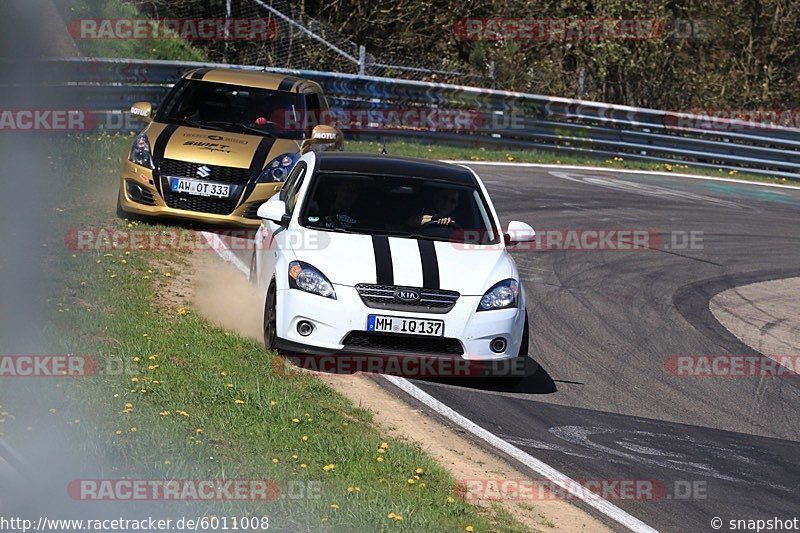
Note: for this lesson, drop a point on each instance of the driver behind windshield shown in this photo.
(442, 206)
(340, 214)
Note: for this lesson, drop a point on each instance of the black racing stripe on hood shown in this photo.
(287, 83)
(257, 164)
(384, 269)
(430, 264)
(159, 148)
(199, 74)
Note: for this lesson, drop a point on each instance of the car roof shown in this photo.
(255, 78)
(385, 165)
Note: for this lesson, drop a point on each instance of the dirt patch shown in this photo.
(221, 293)
(763, 315)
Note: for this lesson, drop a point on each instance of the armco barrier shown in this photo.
(507, 119)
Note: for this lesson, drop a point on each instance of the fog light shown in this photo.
(304, 328)
(134, 191)
(498, 345)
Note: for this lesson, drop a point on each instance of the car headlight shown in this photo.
(502, 295)
(306, 278)
(278, 169)
(140, 152)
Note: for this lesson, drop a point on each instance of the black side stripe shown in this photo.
(287, 83)
(158, 151)
(383, 260)
(199, 73)
(430, 264)
(257, 164)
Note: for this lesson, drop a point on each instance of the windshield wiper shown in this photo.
(242, 127)
(428, 237)
(194, 124)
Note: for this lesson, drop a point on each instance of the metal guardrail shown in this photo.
(505, 119)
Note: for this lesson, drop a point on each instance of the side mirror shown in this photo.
(323, 135)
(518, 232)
(142, 111)
(274, 211)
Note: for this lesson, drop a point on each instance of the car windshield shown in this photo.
(234, 108)
(398, 206)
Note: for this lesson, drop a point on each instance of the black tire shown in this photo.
(270, 318)
(121, 213)
(522, 356)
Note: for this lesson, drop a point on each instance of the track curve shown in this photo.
(604, 324)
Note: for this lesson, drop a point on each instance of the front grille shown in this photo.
(185, 169)
(430, 301)
(216, 206)
(416, 344)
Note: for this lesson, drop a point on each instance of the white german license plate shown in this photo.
(410, 326)
(200, 188)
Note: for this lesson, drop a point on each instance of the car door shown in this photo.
(274, 240)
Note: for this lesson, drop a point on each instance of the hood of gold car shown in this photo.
(219, 148)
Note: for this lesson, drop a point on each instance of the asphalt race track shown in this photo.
(602, 405)
(603, 325)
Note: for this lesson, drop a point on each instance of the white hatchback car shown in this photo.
(372, 254)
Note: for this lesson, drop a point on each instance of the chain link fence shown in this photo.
(299, 42)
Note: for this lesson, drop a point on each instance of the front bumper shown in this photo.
(334, 320)
(151, 203)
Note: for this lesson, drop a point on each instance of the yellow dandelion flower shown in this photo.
(469, 529)
(334, 506)
(134, 430)
(182, 311)
(229, 385)
(118, 432)
(199, 430)
(136, 359)
(381, 450)
(273, 402)
(450, 499)
(411, 481)
(153, 357)
(129, 406)
(303, 465)
(419, 471)
(379, 459)
(296, 420)
(167, 462)
(239, 402)
(134, 380)
(152, 367)
(275, 460)
(295, 456)
(384, 445)
(182, 413)
(305, 438)
(165, 413)
(329, 467)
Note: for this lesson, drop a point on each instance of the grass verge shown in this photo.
(197, 402)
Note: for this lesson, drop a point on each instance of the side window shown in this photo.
(289, 191)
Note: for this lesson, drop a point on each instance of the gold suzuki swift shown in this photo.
(221, 144)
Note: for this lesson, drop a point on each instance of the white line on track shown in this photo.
(618, 171)
(548, 472)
